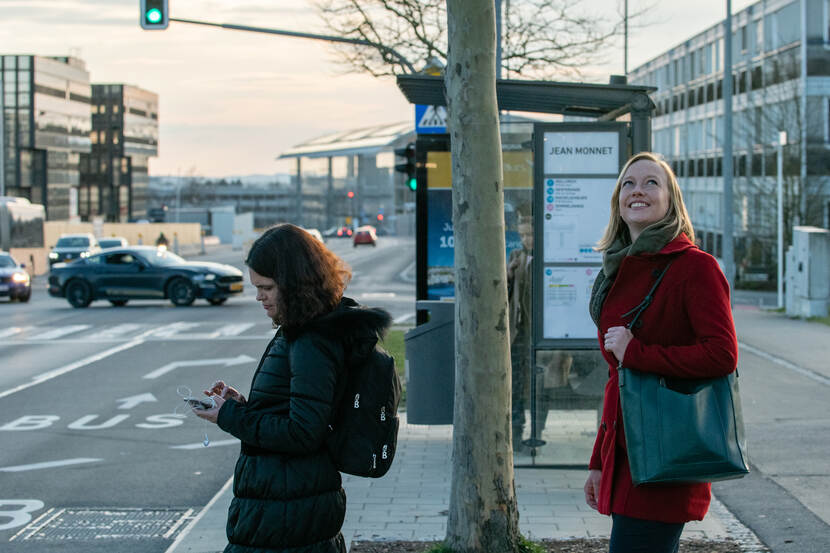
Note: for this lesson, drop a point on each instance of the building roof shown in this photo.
(367, 140)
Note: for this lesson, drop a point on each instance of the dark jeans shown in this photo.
(634, 535)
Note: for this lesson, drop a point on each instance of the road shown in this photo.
(92, 425)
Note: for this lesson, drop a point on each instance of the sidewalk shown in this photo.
(410, 503)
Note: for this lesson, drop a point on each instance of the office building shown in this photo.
(781, 76)
(44, 130)
(114, 175)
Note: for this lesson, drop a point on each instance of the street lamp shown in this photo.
(782, 140)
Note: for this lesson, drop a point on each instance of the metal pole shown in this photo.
(625, 32)
(728, 170)
(782, 139)
(498, 38)
(802, 185)
(2, 131)
(360, 42)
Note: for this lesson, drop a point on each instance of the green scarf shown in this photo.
(653, 239)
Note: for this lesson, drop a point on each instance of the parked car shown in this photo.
(14, 280)
(315, 233)
(142, 272)
(113, 242)
(365, 235)
(73, 246)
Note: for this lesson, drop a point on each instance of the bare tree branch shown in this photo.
(542, 39)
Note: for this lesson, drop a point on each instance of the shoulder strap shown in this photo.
(638, 310)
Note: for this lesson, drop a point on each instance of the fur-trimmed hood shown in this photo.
(350, 321)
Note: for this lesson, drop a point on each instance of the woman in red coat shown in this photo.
(686, 332)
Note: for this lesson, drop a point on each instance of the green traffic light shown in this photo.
(153, 16)
(413, 184)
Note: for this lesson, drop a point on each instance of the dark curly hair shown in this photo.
(310, 278)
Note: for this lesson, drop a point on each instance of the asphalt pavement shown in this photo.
(783, 506)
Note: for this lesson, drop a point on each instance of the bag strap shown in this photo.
(638, 310)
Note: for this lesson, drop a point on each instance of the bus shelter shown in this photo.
(558, 180)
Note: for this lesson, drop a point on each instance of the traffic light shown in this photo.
(154, 15)
(380, 217)
(350, 194)
(408, 167)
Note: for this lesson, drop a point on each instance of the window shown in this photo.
(743, 38)
(757, 77)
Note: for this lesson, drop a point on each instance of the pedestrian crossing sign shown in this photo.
(430, 119)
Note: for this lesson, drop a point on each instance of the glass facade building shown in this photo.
(124, 135)
(781, 82)
(362, 161)
(45, 129)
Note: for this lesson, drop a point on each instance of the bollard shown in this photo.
(202, 239)
(140, 240)
(176, 243)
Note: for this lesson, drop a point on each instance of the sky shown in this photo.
(230, 102)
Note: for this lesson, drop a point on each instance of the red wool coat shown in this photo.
(687, 332)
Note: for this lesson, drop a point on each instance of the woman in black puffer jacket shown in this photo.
(287, 491)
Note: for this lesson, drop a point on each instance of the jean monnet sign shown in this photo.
(586, 153)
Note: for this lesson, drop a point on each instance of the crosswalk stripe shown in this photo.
(14, 330)
(232, 329)
(58, 332)
(118, 330)
(173, 328)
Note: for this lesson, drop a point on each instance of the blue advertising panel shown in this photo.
(518, 199)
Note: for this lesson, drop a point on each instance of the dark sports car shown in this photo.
(142, 272)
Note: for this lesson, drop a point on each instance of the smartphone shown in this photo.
(197, 403)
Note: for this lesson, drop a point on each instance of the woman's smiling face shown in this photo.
(644, 196)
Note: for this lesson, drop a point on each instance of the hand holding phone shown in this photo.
(197, 403)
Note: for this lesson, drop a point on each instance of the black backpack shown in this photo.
(364, 429)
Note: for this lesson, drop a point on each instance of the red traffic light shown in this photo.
(350, 194)
(380, 216)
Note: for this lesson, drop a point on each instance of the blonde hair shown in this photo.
(676, 217)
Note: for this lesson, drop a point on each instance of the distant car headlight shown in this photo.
(20, 277)
(53, 255)
(84, 254)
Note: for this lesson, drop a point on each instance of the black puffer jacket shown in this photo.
(287, 491)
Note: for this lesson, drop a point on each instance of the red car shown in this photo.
(344, 232)
(365, 235)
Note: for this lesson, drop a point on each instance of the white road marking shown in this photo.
(238, 360)
(132, 401)
(21, 515)
(14, 330)
(201, 445)
(173, 329)
(72, 366)
(50, 464)
(809, 373)
(35, 522)
(184, 517)
(403, 318)
(117, 331)
(181, 537)
(231, 330)
(58, 332)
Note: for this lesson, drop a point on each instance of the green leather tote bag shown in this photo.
(681, 430)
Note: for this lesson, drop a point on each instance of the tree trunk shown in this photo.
(483, 516)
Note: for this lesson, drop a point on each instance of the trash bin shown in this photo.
(430, 365)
